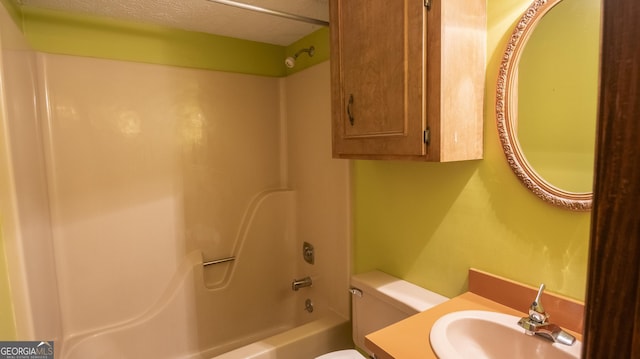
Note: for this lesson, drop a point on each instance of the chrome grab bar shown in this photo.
(218, 261)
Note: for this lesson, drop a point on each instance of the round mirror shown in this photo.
(546, 100)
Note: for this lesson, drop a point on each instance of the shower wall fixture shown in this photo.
(290, 61)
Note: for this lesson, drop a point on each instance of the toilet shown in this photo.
(379, 300)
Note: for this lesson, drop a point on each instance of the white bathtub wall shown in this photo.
(189, 319)
(146, 164)
(322, 186)
(322, 201)
(114, 175)
(24, 209)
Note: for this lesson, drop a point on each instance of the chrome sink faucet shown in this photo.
(537, 323)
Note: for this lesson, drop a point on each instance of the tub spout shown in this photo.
(300, 283)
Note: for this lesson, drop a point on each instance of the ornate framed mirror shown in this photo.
(546, 100)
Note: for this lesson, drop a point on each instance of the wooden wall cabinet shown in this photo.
(407, 79)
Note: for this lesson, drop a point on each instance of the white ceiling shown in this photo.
(205, 16)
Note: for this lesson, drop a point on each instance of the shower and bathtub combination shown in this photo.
(155, 211)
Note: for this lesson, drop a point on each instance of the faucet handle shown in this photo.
(536, 311)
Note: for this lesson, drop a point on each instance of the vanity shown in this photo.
(410, 338)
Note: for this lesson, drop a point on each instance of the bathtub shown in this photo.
(329, 333)
(237, 309)
(175, 327)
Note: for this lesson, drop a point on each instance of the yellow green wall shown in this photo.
(430, 222)
(82, 35)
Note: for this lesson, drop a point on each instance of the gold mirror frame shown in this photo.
(505, 99)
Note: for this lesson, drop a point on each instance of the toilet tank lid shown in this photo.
(391, 289)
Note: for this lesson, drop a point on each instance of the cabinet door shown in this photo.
(377, 77)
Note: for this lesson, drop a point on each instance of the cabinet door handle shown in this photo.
(351, 119)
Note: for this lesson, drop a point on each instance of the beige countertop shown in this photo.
(409, 338)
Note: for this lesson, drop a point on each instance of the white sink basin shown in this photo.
(481, 334)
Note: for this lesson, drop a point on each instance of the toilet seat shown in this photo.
(342, 354)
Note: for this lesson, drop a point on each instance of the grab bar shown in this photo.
(218, 261)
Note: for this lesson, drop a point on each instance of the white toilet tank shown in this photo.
(379, 300)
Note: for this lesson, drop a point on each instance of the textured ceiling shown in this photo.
(204, 16)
